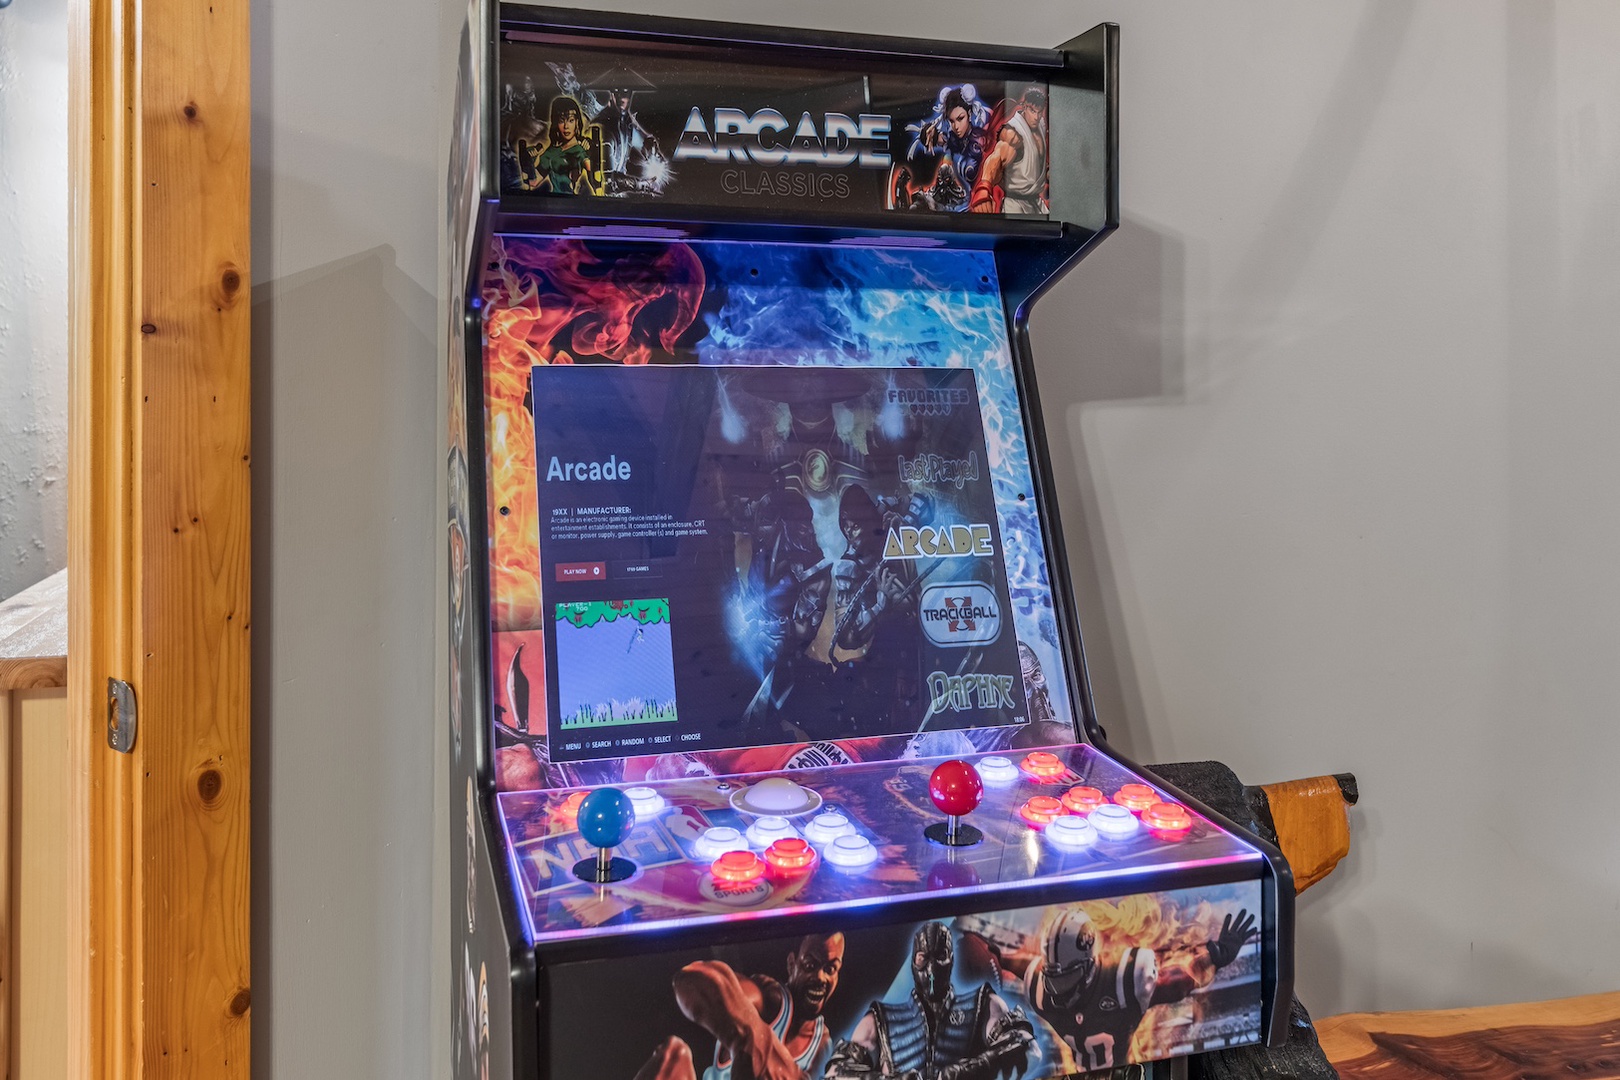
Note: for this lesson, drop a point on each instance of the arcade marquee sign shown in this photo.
(693, 129)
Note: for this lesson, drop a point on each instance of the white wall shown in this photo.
(1330, 418)
(33, 292)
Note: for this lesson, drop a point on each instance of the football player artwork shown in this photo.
(1099, 987)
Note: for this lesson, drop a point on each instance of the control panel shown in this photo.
(710, 848)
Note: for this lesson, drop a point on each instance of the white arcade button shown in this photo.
(825, 828)
(851, 852)
(718, 840)
(768, 830)
(1114, 822)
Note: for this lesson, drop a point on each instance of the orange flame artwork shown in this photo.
(555, 302)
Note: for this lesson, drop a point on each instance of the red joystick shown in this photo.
(956, 789)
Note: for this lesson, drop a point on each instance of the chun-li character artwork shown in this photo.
(946, 153)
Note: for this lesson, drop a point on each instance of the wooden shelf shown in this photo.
(33, 636)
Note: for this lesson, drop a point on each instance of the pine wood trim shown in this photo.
(159, 538)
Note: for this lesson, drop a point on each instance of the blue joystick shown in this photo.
(606, 817)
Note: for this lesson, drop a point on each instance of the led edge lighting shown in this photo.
(525, 899)
(1120, 874)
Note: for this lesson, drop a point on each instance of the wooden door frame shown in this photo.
(159, 535)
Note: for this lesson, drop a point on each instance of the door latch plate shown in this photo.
(121, 717)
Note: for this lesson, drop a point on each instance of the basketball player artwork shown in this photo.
(968, 156)
(762, 1027)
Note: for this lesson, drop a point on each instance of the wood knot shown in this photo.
(190, 110)
(230, 281)
(209, 784)
(240, 1002)
(148, 328)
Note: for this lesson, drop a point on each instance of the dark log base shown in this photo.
(1301, 1057)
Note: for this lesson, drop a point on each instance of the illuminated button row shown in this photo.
(1083, 814)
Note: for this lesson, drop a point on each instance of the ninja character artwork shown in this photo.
(937, 1032)
(968, 156)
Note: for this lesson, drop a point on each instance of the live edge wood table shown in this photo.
(1570, 1039)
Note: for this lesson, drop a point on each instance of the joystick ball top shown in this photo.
(606, 817)
(955, 788)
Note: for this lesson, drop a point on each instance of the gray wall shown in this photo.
(1331, 419)
(33, 292)
(351, 126)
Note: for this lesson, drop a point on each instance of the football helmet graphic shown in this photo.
(1071, 952)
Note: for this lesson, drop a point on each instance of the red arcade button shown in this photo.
(581, 571)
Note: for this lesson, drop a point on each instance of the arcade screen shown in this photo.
(751, 555)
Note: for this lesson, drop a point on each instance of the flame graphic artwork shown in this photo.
(1157, 922)
(555, 302)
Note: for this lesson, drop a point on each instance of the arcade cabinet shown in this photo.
(770, 727)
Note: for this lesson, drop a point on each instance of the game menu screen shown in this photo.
(739, 556)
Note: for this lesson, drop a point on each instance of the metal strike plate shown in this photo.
(120, 715)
